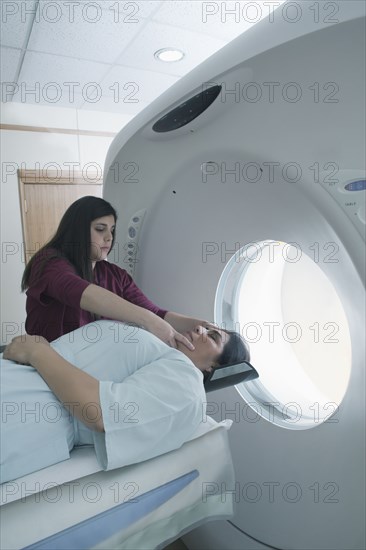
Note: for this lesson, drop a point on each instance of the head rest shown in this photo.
(229, 375)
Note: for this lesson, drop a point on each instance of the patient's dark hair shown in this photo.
(72, 238)
(235, 351)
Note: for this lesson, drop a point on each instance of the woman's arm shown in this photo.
(59, 281)
(77, 390)
(107, 304)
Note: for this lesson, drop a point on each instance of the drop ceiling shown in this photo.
(99, 55)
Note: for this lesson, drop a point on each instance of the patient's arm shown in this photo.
(77, 390)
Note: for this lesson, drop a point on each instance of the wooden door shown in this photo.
(43, 201)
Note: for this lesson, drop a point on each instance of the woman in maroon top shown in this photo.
(69, 285)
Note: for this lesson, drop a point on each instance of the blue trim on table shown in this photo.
(93, 531)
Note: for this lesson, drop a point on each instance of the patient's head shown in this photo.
(214, 348)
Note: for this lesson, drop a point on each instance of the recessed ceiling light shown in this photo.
(169, 55)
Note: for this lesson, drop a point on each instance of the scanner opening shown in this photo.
(281, 301)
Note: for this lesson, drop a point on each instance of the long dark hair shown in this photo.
(72, 238)
(235, 351)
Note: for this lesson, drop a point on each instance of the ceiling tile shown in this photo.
(50, 74)
(127, 10)
(49, 99)
(224, 20)
(9, 65)
(76, 35)
(122, 10)
(127, 85)
(108, 104)
(156, 36)
(16, 21)
(46, 68)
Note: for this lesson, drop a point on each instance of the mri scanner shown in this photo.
(241, 199)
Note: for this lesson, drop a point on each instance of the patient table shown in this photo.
(75, 505)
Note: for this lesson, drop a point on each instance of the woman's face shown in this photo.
(101, 237)
(208, 343)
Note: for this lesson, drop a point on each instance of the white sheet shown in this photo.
(151, 395)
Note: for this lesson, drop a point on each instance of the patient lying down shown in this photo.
(108, 384)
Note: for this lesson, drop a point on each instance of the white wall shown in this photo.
(24, 149)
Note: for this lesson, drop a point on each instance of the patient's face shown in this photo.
(208, 344)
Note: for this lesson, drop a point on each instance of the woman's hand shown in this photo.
(165, 332)
(182, 323)
(21, 348)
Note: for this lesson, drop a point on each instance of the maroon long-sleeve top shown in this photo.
(54, 294)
